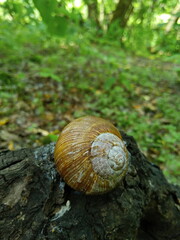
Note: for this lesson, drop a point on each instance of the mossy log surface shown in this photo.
(36, 204)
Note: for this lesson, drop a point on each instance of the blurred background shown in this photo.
(119, 60)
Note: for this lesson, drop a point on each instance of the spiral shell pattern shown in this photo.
(91, 156)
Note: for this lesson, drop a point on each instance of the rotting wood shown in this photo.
(36, 204)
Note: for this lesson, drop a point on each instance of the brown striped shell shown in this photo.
(91, 156)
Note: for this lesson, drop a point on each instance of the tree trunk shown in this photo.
(122, 12)
(173, 19)
(93, 11)
(36, 204)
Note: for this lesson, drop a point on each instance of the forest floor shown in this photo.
(45, 84)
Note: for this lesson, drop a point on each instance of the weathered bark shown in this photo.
(35, 204)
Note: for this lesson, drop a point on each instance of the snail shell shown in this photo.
(91, 156)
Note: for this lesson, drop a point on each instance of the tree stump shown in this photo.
(36, 204)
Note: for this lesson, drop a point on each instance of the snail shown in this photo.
(91, 155)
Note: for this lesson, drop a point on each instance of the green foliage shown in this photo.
(19, 11)
(48, 73)
(144, 33)
(50, 11)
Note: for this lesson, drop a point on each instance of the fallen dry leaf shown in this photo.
(11, 146)
(4, 121)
